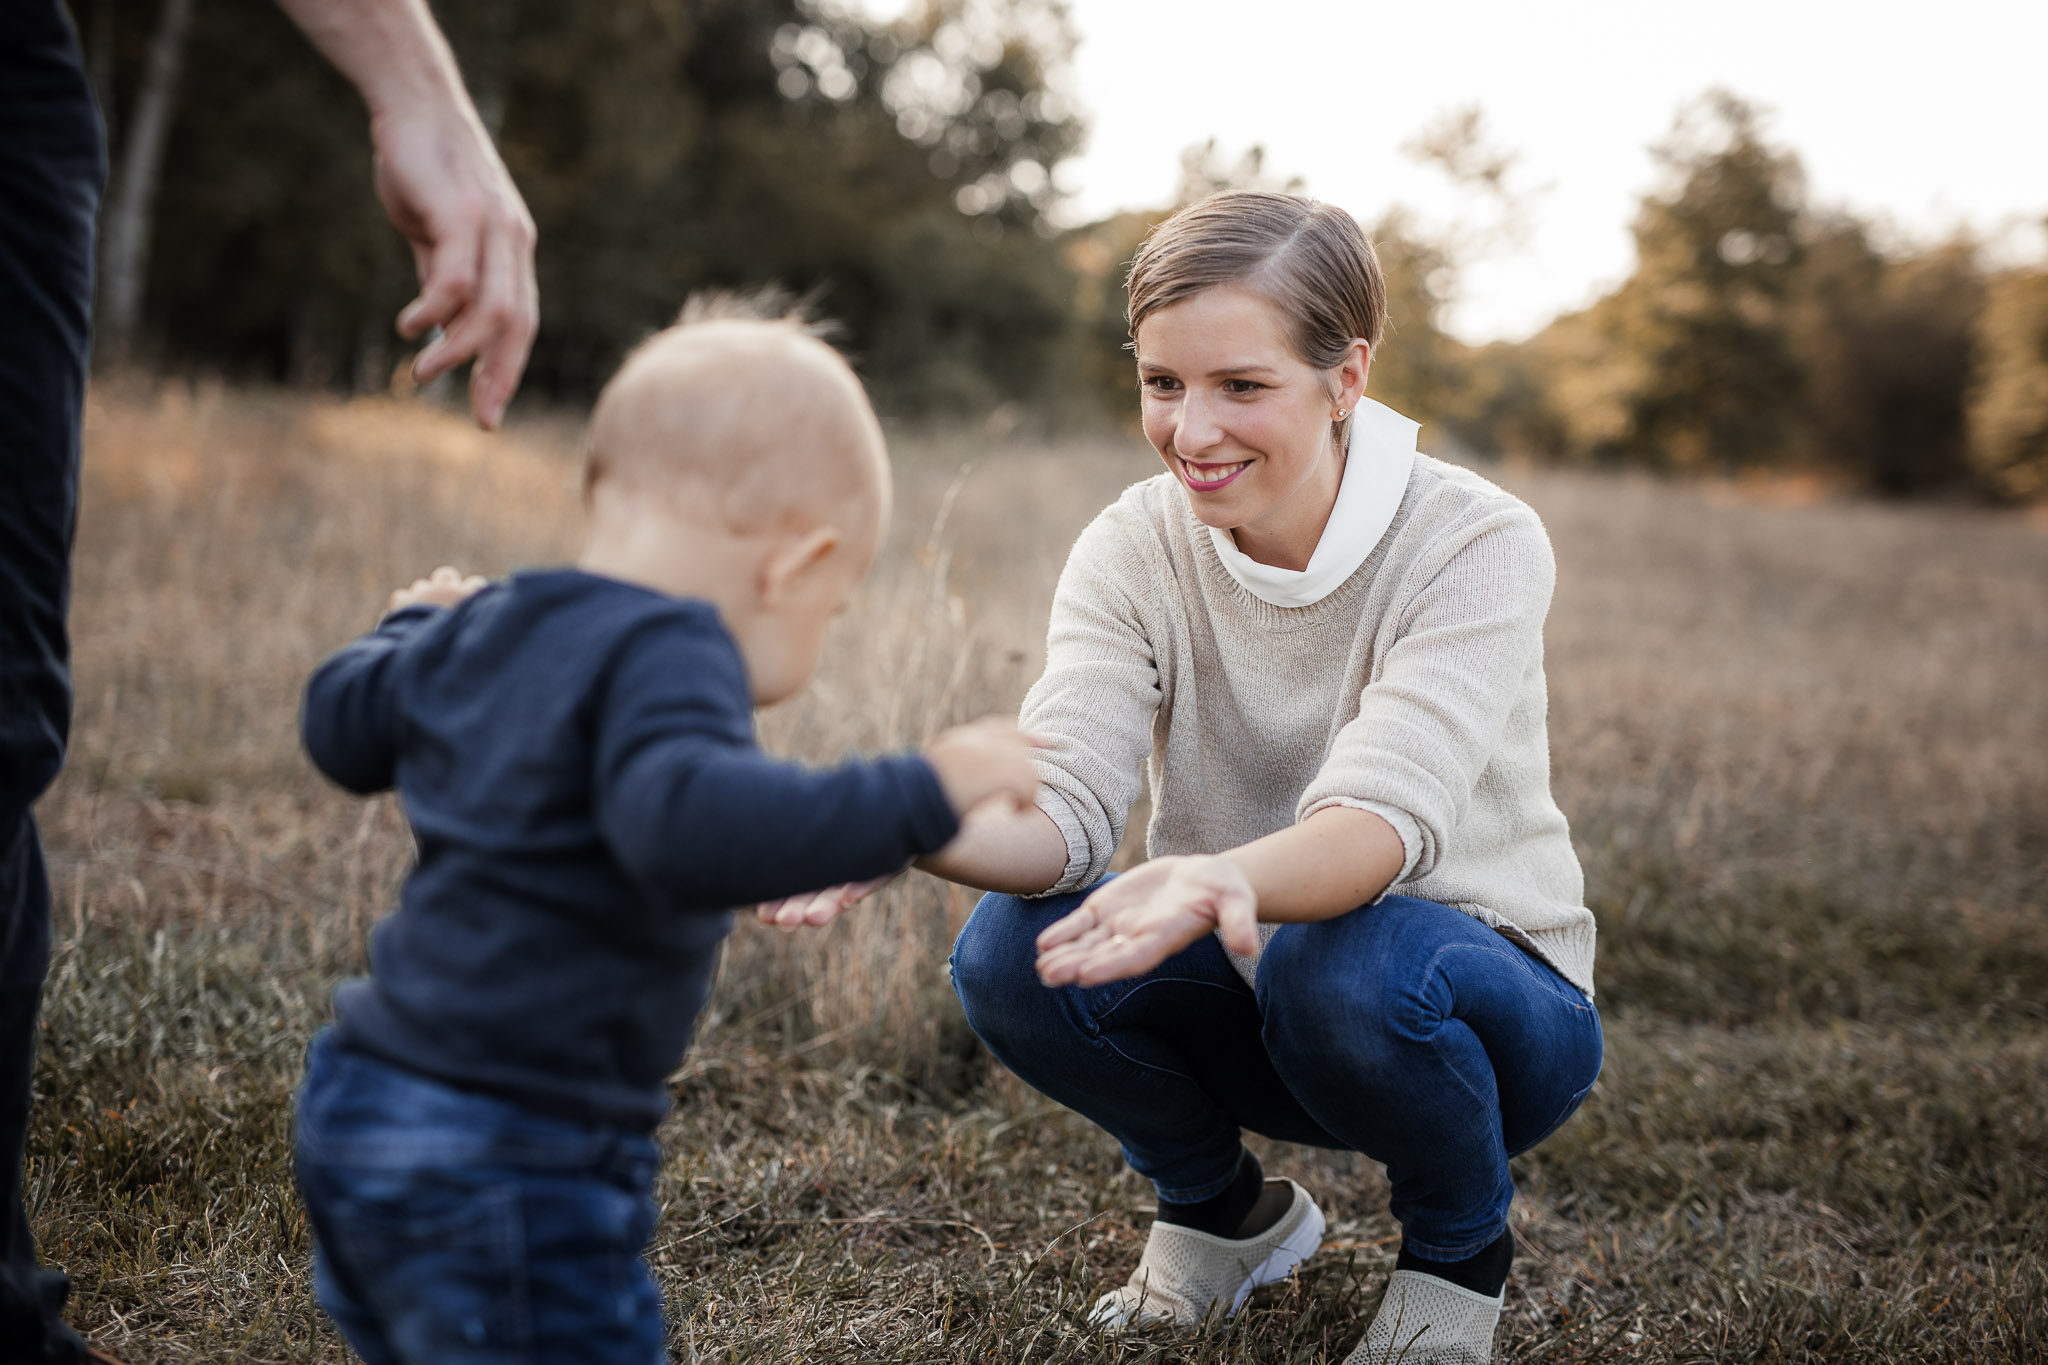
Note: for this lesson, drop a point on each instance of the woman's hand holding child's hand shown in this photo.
(1147, 915)
(442, 588)
(987, 760)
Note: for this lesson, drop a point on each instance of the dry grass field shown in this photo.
(1803, 745)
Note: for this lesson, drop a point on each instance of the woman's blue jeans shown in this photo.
(1404, 1030)
(453, 1228)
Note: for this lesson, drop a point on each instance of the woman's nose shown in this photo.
(1196, 429)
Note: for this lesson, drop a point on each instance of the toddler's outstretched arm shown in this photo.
(695, 812)
(345, 719)
(989, 775)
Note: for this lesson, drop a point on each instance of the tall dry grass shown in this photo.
(1804, 749)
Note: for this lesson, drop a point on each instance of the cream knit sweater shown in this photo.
(1414, 690)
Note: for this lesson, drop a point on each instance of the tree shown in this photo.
(128, 220)
(1417, 368)
(2008, 409)
(1886, 345)
(1704, 313)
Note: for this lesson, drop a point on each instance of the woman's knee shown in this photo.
(994, 962)
(1374, 953)
(1353, 986)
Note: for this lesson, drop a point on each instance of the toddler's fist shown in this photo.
(442, 588)
(986, 760)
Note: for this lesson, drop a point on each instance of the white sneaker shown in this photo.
(1185, 1275)
(1427, 1321)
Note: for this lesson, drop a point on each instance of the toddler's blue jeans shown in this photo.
(1404, 1030)
(454, 1228)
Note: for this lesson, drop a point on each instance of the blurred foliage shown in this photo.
(1887, 345)
(1757, 332)
(1417, 369)
(2009, 409)
(902, 171)
(1715, 379)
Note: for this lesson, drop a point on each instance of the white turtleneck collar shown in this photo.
(1377, 462)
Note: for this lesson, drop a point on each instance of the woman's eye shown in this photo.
(1160, 383)
(1241, 386)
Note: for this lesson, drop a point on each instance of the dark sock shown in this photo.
(1222, 1215)
(1485, 1272)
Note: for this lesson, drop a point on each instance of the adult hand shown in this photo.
(1145, 916)
(986, 760)
(444, 188)
(816, 909)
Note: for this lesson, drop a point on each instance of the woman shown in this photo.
(1362, 923)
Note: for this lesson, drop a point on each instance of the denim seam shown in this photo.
(1430, 1251)
(1435, 1045)
(1579, 1007)
(1096, 1034)
(1095, 1016)
(1570, 1107)
(1429, 968)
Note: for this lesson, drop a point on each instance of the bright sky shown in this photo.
(1925, 117)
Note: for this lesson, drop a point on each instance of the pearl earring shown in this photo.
(1342, 413)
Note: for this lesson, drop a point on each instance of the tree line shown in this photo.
(905, 174)
(1759, 331)
(901, 172)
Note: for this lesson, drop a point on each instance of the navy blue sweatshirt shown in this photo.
(577, 758)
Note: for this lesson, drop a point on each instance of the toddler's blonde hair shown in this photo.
(743, 401)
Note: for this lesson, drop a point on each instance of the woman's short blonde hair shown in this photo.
(1310, 259)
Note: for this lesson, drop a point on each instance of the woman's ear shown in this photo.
(792, 560)
(1351, 373)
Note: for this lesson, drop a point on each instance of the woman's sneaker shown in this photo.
(1427, 1321)
(1185, 1275)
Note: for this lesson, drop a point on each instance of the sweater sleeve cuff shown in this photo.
(1405, 826)
(1075, 876)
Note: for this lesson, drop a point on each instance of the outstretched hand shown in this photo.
(1136, 922)
(816, 909)
(986, 760)
(444, 187)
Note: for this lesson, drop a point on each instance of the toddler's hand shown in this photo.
(987, 759)
(816, 909)
(443, 588)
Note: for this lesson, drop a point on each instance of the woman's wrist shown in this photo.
(1225, 873)
(1017, 852)
(1328, 865)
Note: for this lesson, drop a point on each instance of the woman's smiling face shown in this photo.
(1243, 422)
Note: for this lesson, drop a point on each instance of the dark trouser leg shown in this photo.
(31, 1297)
(51, 170)
(1417, 1035)
(453, 1228)
(1171, 1064)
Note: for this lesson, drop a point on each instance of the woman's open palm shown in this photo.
(1137, 921)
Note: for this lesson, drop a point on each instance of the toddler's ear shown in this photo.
(793, 558)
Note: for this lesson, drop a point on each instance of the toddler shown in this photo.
(575, 751)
